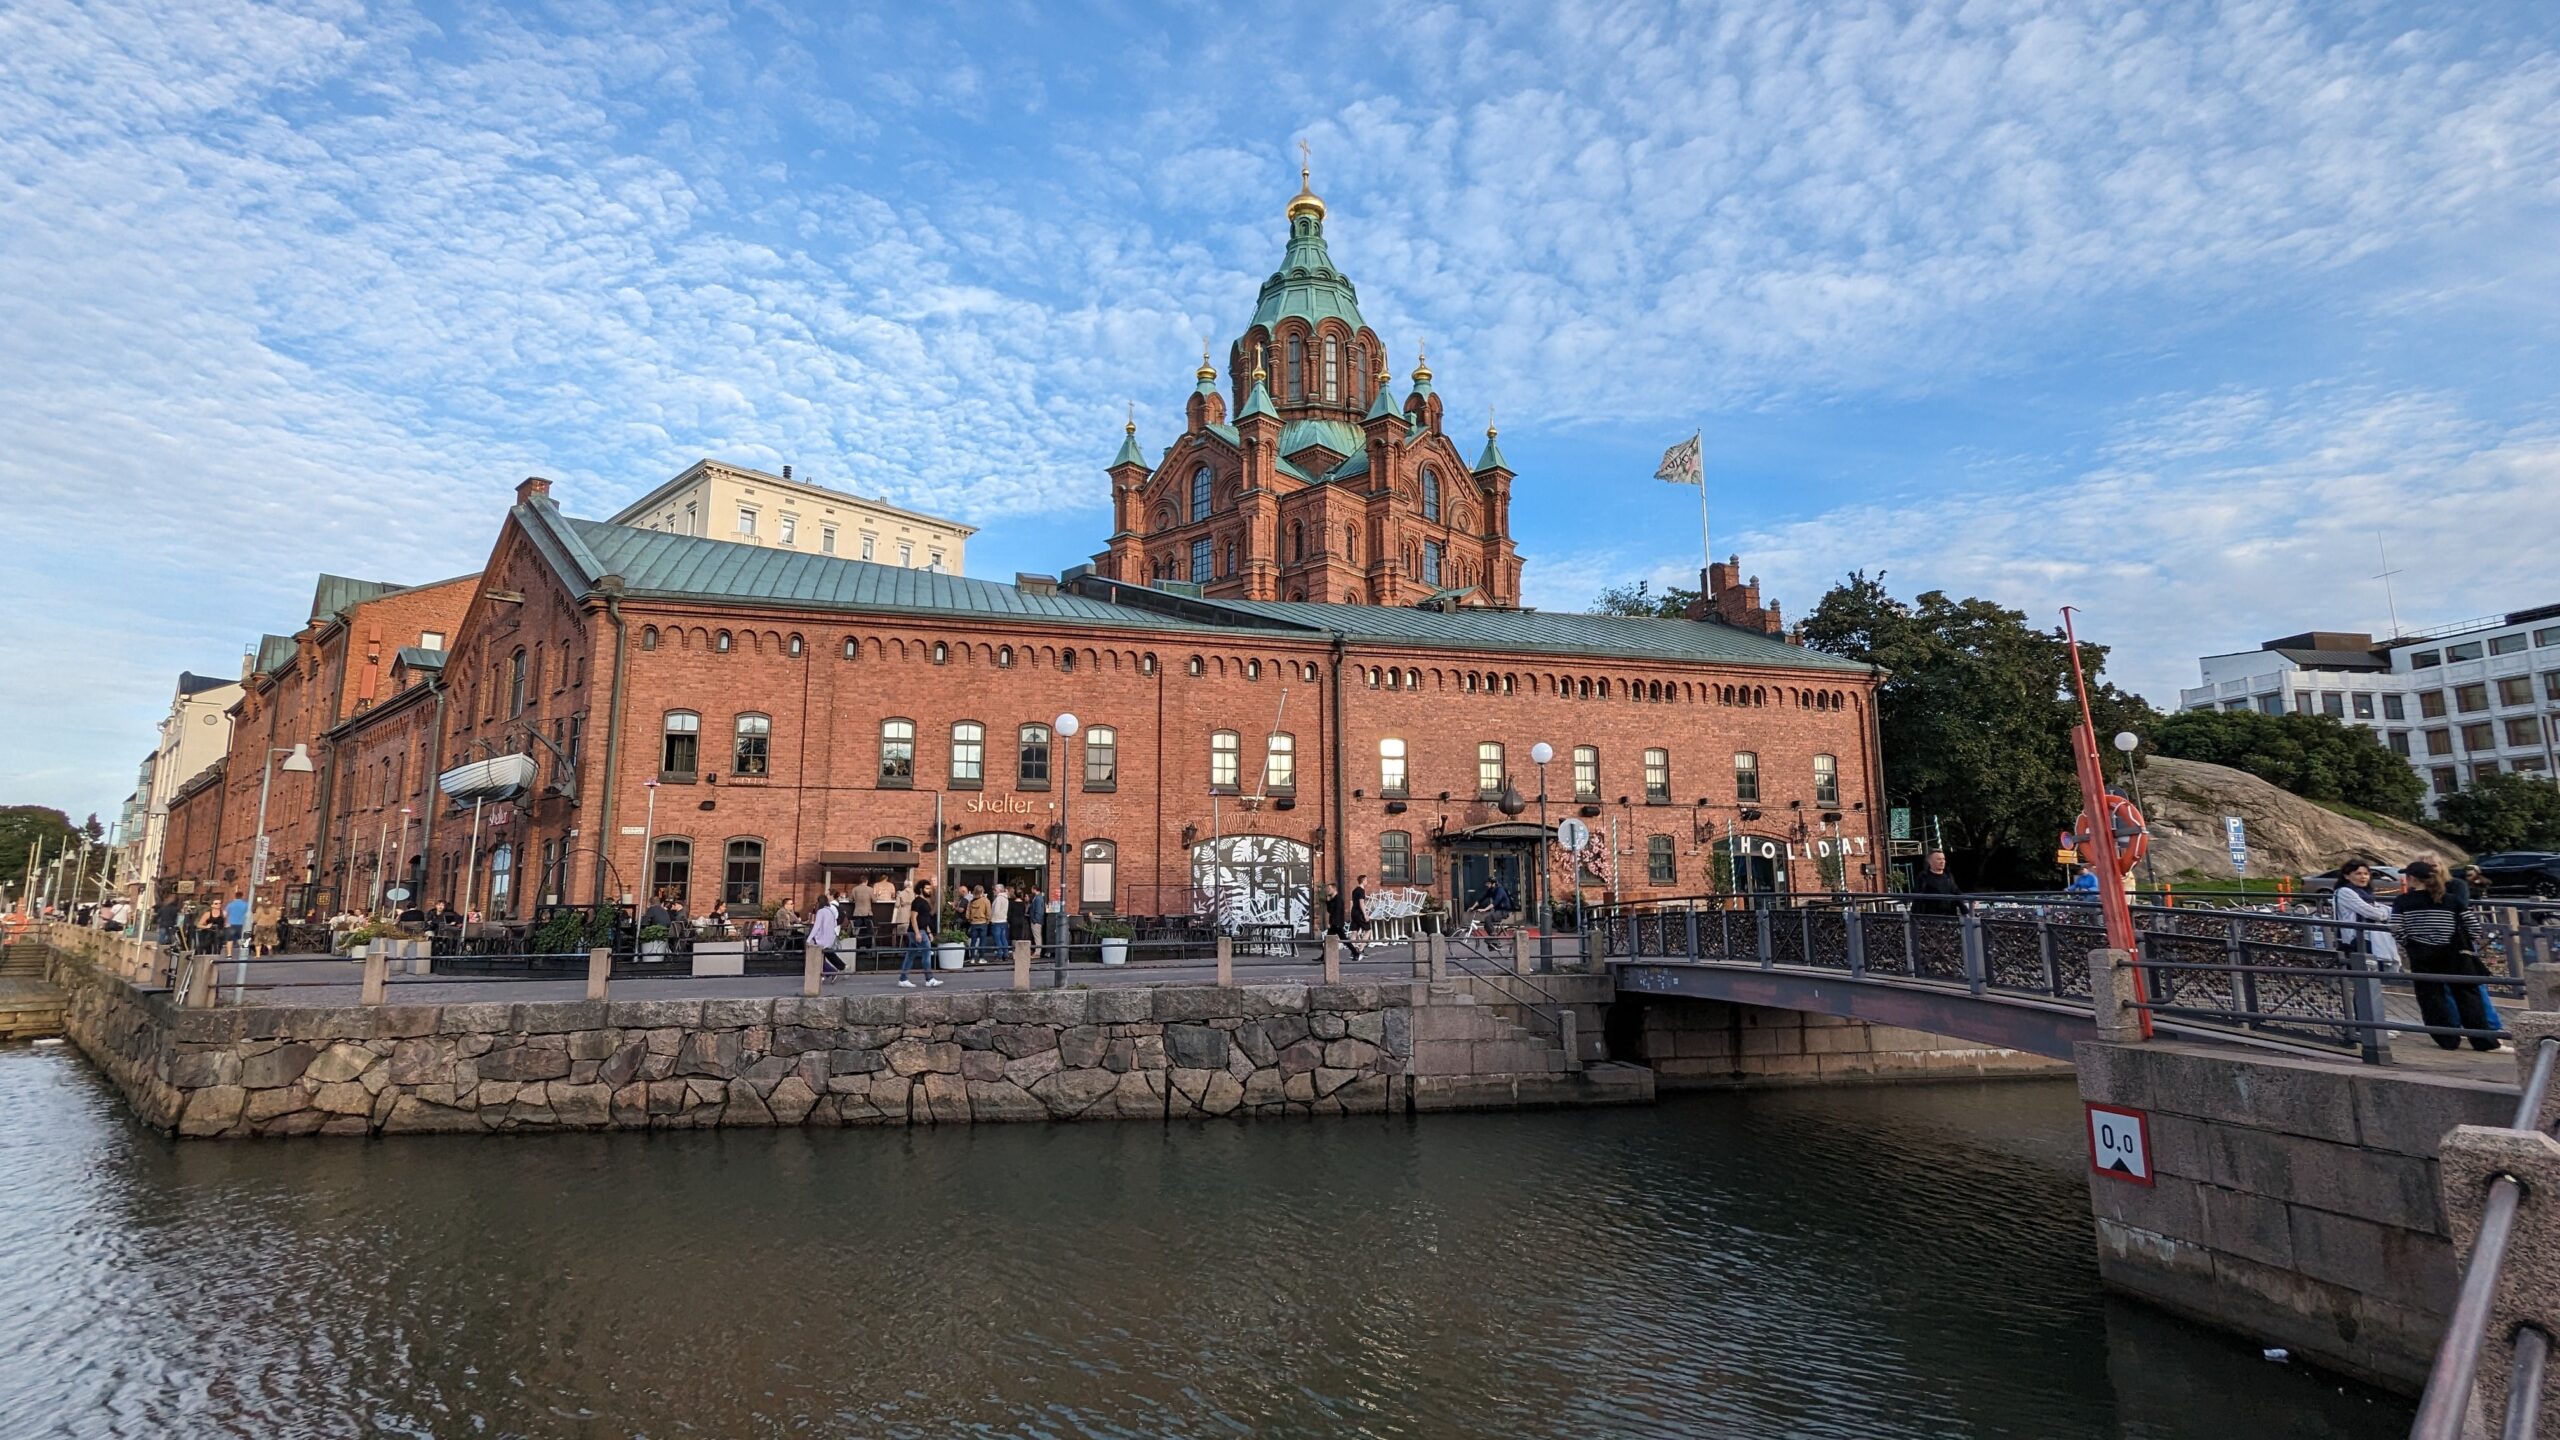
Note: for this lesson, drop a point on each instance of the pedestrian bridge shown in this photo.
(2014, 971)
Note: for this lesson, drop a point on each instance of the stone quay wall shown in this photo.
(2295, 1201)
(1138, 1052)
(1719, 1044)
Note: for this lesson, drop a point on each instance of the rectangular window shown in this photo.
(1226, 761)
(906, 555)
(671, 869)
(790, 529)
(2333, 704)
(1657, 777)
(2467, 650)
(2515, 690)
(1746, 778)
(934, 559)
(2426, 660)
(2526, 762)
(1101, 758)
(2524, 730)
(2483, 769)
(431, 640)
(826, 539)
(692, 518)
(2479, 735)
(1395, 858)
(2431, 704)
(2439, 741)
(1031, 762)
(2271, 704)
(1826, 781)
(1391, 772)
(968, 755)
(746, 522)
(742, 884)
(1586, 773)
(2394, 707)
(1280, 766)
(897, 753)
(1431, 563)
(1660, 866)
(2546, 636)
(2302, 702)
(1489, 771)
(677, 756)
(1201, 551)
(755, 745)
(2443, 777)
(2363, 705)
(2400, 743)
(2471, 699)
(870, 544)
(2551, 684)
(2507, 644)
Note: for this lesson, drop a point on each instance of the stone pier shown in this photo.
(1720, 1044)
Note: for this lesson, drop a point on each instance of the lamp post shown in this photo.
(648, 830)
(296, 761)
(1540, 754)
(1066, 726)
(2126, 742)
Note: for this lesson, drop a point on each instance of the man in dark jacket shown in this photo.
(1939, 894)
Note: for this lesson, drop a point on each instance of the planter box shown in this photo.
(719, 957)
(1115, 952)
(950, 957)
(653, 952)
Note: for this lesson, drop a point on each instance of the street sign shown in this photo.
(1901, 821)
(1572, 834)
(396, 894)
(2237, 834)
(2120, 1143)
(258, 857)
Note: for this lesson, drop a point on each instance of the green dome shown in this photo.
(1339, 436)
(1306, 285)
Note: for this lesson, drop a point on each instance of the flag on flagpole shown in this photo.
(1682, 464)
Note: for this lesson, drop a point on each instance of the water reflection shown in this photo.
(1908, 1262)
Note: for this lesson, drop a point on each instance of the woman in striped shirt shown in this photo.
(2434, 929)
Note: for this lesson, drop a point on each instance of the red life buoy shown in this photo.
(2132, 836)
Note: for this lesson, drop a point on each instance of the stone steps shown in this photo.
(22, 962)
(1457, 1035)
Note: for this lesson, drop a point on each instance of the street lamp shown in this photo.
(296, 761)
(2126, 743)
(1540, 754)
(648, 829)
(1066, 726)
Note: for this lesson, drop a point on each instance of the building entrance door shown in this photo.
(1016, 862)
(1479, 867)
(1756, 866)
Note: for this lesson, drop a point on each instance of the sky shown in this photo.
(2195, 316)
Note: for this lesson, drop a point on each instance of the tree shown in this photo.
(2503, 812)
(25, 826)
(91, 828)
(2313, 756)
(1976, 714)
(1638, 599)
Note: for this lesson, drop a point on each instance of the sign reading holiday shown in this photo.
(2120, 1143)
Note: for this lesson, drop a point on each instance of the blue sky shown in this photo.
(2169, 311)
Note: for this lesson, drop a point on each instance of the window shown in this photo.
(1395, 858)
(2524, 730)
(1101, 758)
(2394, 707)
(1200, 481)
(1332, 362)
(2400, 743)
(2550, 685)
(2482, 770)
(906, 554)
(1660, 868)
(1031, 763)
(1297, 369)
(754, 749)
(746, 522)
(790, 529)
(2271, 704)
(2467, 650)
(1280, 765)
(1586, 772)
(1430, 494)
(2333, 705)
(671, 869)
(515, 683)
(826, 539)
(1004, 657)
(2426, 660)
(1225, 761)
(1826, 781)
(933, 559)
(692, 518)
(941, 652)
(2431, 704)
(1657, 777)
(1231, 559)
(2439, 741)
(1431, 562)
(431, 640)
(681, 747)
(1391, 771)
(720, 641)
(1489, 769)
(870, 543)
(2547, 635)
(2363, 705)
(2443, 778)
(968, 755)
(2471, 699)
(2301, 702)
(502, 878)
(1201, 551)
(742, 875)
(2507, 644)
(2479, 735)
(2515, 690)
(1098, 862)
(898, 753)
(1746, 778)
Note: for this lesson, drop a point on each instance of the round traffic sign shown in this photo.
(396, 893)
(1572, 834)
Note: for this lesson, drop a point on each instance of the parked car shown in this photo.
(2386, 881)
(2513, 874)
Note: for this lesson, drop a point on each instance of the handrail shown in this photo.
(1500, 980)
(2447, 1402)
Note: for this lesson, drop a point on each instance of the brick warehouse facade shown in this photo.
(743, 723)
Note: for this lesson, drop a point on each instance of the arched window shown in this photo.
(502, 878)
(897, 754)
(1659, 866)
(679, 751)
(1201, 553)
(1004, 657)
(1226, 761)
(1230, 568)
(1332, 367)
(1391, 768)
(1253, 669)
(516, 682)
(941, 653)
(742, 875)
(1280, 767)
(1297, 541)
(1195, 667)
(1297, 368)
(1826, 780)
(1351, 542)
(1657, 777)
(753, 752)
(792, 645)
(1359, 375)
(1067, 661)
(671, 868)
(1031, 758)
(1430, 494)
(1097, 866)
(1746, 778)
(852, 648)
(1200, 493)
(720, 642)
(1101, 758)
(968, 755)
(648, 637)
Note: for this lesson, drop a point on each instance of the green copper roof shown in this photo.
(275, 652)
(1383, 405)
(1352, 468)
(1629, 637)
(1339, 436)
(337, 592)
(1257, 401)
(1129, 451)
(1294, 471)
(1491, 459)
(1306, 285)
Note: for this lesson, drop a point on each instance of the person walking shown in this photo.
(2352, 903)
(209, 935)
(1357, 919)
(919, 925)
(824, 935)
(1337, 922)
(1937, 890)
(2433, 927)
(235, 920)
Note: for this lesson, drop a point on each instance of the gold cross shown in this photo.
(1305, 159)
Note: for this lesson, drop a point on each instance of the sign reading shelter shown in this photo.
(2120, 1143)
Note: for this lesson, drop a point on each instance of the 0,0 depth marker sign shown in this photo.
(2120, 1143)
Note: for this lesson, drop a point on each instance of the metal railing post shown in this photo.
(1855, 931)
(2044, 956)
(1689, 923)
(1970, 933)
(1765, 934)
(2364, 1006)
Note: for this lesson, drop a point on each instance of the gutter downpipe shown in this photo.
(1339, 834)
(610, 587)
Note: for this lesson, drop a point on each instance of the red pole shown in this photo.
(2102, 830)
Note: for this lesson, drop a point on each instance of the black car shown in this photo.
(2517, 873)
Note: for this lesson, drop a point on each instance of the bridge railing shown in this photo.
(2289, 974)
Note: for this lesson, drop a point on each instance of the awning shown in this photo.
(866, 859)
(500, 777)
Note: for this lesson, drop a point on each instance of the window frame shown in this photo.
(732, 893)
(1280, 763)
(1027, 750)
(1661, 861)
(751, 729)
(1395, 767)
(971, 773)
(1492, 753)
(1395, 857)
(668, 731)
(1204, 485)
(1586, 774)
(1101, 741)
(1826, 781)
(1657, 776)
(897, 770)
(1746, 777)
(1226, 755)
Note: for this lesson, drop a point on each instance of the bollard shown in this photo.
(2542, 987)
(1021, 964)
(1332, 960)
(1569, 1030)
(1521, 960)
(1226, 962)
(200, 983)
(1439, 947)
(377, 968)
(599, 972)
(2111, 996)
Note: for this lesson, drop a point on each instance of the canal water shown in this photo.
(1876, 1262)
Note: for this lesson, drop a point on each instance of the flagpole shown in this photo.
(1706, 540)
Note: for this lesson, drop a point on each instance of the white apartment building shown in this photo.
(2459, 701)
(730, 502)
(195, 733)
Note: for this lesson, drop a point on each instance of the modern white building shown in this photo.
(2459, 701)
(195, 733)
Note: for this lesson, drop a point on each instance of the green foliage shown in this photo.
(571, 932)
(1976, 716)
(1111, 929)
(22, 826)
(1639, 599)
(2503, 812)
(2314, 756)
(952, 935)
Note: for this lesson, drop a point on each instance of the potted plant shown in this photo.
(360, 936)
(653, 944)
(1114, 936)
(951, 948)
(564, 932)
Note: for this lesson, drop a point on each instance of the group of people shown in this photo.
(906, 915)
(2431, 932)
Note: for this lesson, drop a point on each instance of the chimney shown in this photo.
(786, 472)
(533, 485)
